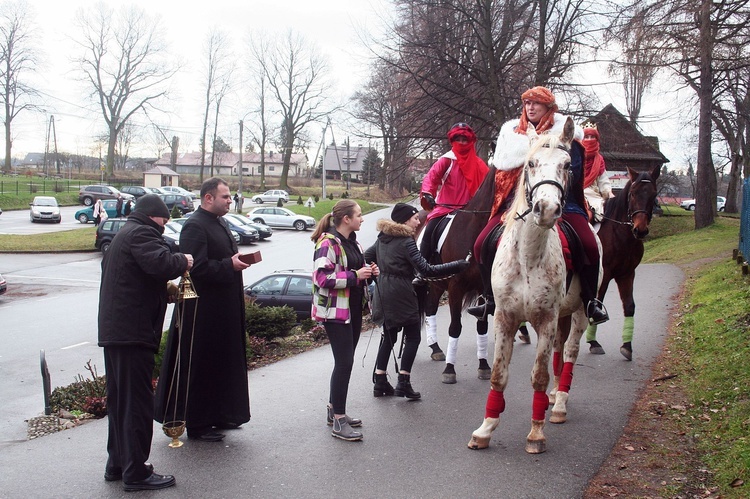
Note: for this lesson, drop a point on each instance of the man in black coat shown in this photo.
(132, 303)
(213, 362)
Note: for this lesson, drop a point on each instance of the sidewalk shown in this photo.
(410, 449)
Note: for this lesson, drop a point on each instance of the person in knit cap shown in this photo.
(451, 182)
(540, 110)
(132, 303)
(395, 304)
(596, 185)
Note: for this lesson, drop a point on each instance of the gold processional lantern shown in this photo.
(184, 291)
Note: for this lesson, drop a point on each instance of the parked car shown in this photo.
(3, 285)
(86, 215)
(181, 222)
(172, 236)
(88, 194)
(173, 189)
(285, 287)
(271, 196)
(183, 203)
(247, 234)
(689, 204)
(281, 217)
(106, 232)
(264, 231)
(44, 209)
(138, 190)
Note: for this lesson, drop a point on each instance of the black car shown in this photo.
(183, 203)
(107, 230)
(137, 190)
(247, 234)
(285, 287)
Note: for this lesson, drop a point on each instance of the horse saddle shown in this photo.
(438, 235)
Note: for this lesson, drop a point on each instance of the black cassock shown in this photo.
(217, 368)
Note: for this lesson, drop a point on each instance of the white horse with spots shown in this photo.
(528, 279)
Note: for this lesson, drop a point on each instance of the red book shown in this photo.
(251, 258)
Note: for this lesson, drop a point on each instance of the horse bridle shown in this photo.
(632, 213)
(530, 189)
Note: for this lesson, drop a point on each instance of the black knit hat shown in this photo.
(402, 212)
(151, 205)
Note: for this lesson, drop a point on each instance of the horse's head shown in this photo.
(546, 174)
(641, 200)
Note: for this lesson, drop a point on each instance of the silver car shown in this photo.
(44, 209)
(281, 217)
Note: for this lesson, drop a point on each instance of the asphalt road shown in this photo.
(410, 449)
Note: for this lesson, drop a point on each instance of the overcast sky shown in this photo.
(334, 26)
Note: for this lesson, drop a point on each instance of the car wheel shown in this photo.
(31, 219)
(83, 218)
(87, 201)
(691, 207)
(721, 209)
(299, 225)
(258, 220)
(105, 247)
(258, 200)
(58, 221)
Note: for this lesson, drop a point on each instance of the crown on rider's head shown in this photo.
(589, 125)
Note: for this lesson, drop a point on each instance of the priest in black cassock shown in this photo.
(215, 375)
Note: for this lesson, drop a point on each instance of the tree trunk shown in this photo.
(705, 195)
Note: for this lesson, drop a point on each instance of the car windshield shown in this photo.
(45, 202)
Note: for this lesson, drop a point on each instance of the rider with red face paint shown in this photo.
(539, 109)
(451, 182)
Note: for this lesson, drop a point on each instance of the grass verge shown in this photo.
(68, 240)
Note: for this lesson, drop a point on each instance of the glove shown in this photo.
(462, 265)
(427, 201)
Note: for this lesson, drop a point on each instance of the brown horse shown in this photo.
(464, 287)
(625, 224)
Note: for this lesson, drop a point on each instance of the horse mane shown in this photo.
(520, 205)
(617, 207)
(485, 196)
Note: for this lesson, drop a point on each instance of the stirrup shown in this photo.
(481, 310)
(596, 312)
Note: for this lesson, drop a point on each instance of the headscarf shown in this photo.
(472, 168)
(543, 96)
(594, 165)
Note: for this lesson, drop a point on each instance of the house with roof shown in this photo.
(227, 164)
(160, 176)
(622, 145)
(340, 160)
(273, 162)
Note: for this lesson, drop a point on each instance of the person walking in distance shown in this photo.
(135, 272)
(340, 275)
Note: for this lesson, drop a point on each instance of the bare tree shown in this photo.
(258, 89)
(17, 60)
(298, 81)
(125, 63)
(218, 72)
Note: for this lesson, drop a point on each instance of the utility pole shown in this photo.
(348, 162)
(240, 172)
(54, 135)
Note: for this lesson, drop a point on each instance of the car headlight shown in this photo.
(34, 212)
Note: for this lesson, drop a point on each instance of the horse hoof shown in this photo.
(557, 418)
(595, 348)
(450, 378)
(552, 398)
(525, 338)
(477, 443)
(484, 373)
(626, 352)
(536, 446)
(437, 356)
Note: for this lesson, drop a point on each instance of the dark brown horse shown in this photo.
(464, 287)
(625, 224)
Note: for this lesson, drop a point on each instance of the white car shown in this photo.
(281, 217)
(271, 196)
(689, 204)
(172, 189)
(44, 209)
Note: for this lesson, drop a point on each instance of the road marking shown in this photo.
(76, 345)
(33, 277)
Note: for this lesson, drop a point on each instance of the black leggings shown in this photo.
(412, 337)
(343, 339)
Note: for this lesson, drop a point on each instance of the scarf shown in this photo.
(594, 164)
(472, 168)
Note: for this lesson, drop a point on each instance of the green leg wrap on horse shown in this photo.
(627, 329)
(591, 332)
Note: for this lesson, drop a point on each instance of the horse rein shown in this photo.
(530, 189)
(632, 213)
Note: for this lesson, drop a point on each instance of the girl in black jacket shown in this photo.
(395, 303)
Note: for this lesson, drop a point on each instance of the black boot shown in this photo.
(487, 307)
(595, 310)
(382, 387)
(404, 389)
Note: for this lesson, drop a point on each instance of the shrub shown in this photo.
(175, 213)
(317, 198)
(269, 322)
(344, 195)
(82, 395)
(330, 196)
(59, 187)
(159, 355)
(299, 200)
(280, 203)
(307, 324)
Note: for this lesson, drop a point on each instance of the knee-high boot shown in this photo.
(595, 310)
(487, 307)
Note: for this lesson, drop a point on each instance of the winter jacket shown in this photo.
(133, 292)
(397, 256)
(331, 280)
(446, 183)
